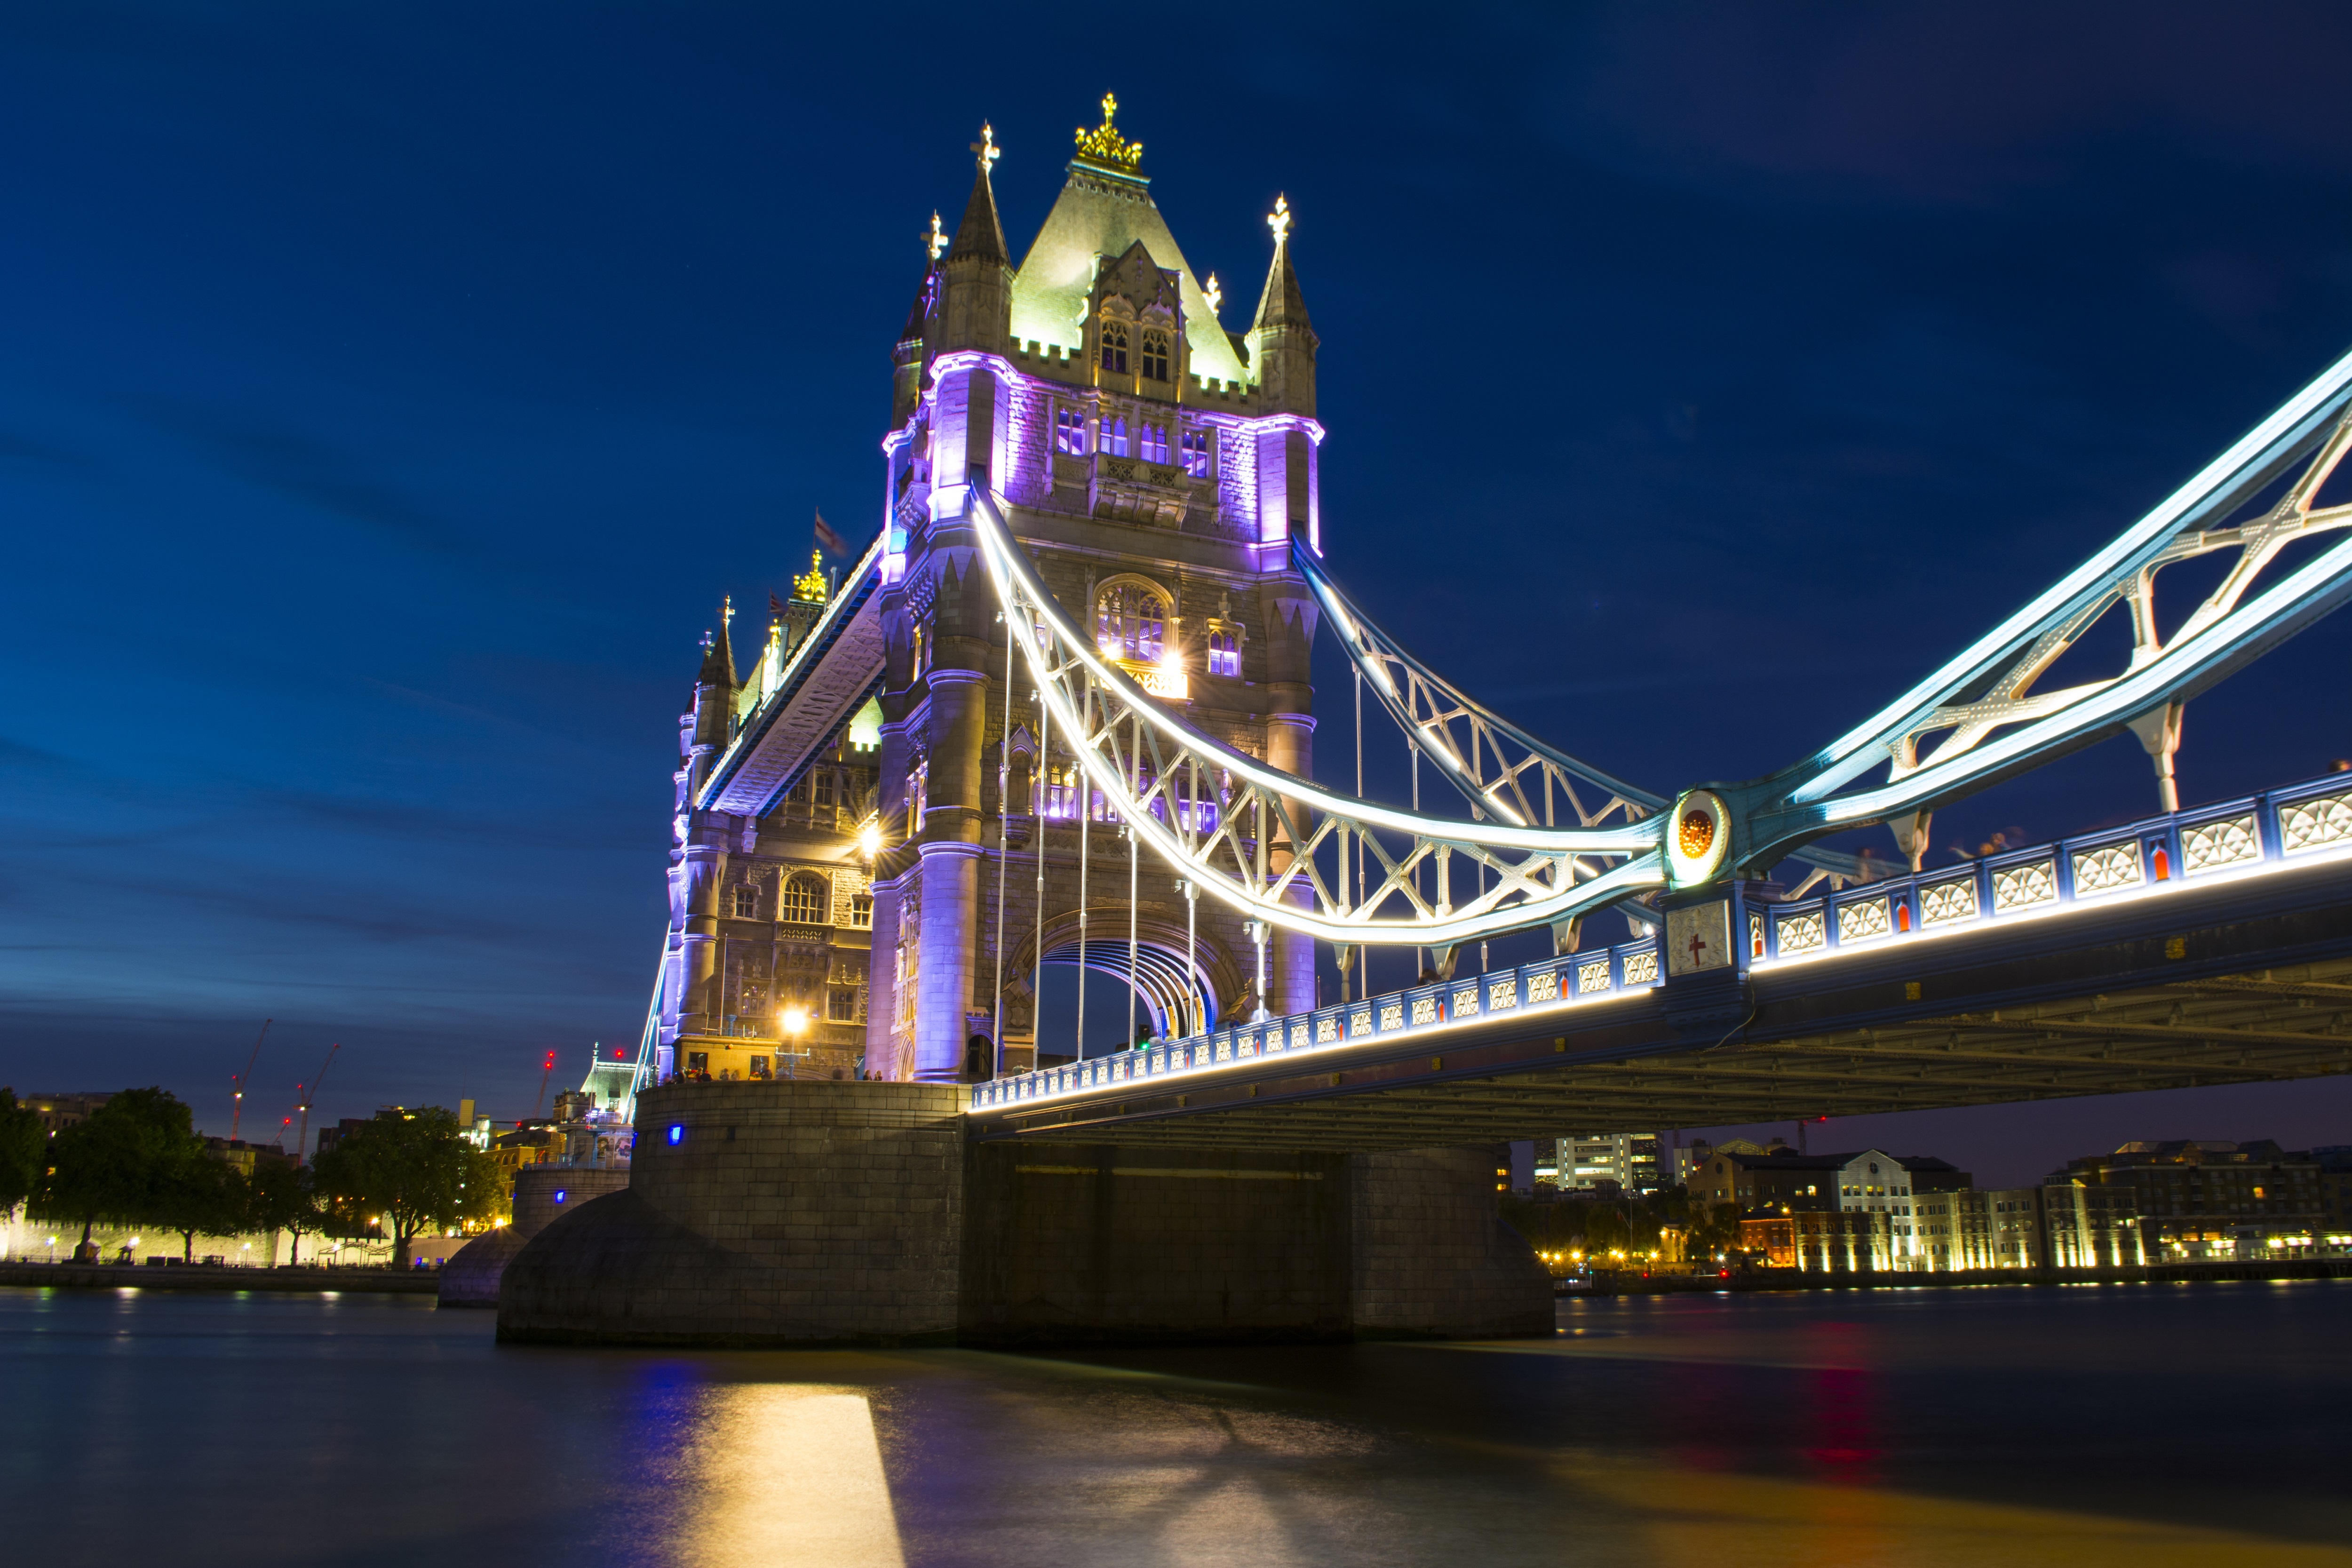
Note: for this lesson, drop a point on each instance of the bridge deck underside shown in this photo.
(2129, 1006)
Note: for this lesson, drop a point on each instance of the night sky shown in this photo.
(388, 394)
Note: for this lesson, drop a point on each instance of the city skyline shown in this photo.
(413, 481)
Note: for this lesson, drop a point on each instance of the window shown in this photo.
(861, 911)
(917, 786)
(1069, 433)
(1060, 792)
(1155, 355)
(1155, 443)
(760, 1067)
(1194, 445)
(1131, 622)
(1225, 651)
(799, 905)
(747, 902)
(841, 1004)
(1114, 438)
(824, 789)
(696, 1062)
(1114, 348)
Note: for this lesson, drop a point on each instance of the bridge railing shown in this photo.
(2268, 832)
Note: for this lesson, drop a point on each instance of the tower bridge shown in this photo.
(1059, 712)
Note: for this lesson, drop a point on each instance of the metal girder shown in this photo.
(2091, 1044)
(1981, 710)
(1277, 848)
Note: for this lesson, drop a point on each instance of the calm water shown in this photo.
(2141, 1425)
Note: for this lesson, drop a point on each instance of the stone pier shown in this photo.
(809, 1212)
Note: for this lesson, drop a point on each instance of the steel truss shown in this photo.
(1978, 718)
(1277, 848)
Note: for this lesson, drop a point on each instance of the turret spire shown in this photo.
(1282, 340)
(1282, 305)
(981, 236)
(718, 653)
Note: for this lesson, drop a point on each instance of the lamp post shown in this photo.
(796, 1022)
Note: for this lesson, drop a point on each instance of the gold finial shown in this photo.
(1216, 295)
(810, 587)
(936, 241)
(1103, 145)
(727, 610)
(1278, 220)
(987, 148)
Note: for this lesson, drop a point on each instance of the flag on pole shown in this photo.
(775, 605)
(828, 541)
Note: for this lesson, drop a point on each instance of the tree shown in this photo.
(410, 1170)
(198, 1193)
(116, 1164)
(23, 1150)
(281, 1197)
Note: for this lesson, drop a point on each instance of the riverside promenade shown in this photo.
(199, 1277)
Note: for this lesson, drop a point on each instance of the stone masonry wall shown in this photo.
(797, 1212)
(1089, 1243)
(1433, 1257)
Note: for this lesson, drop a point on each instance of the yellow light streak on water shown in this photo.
(786, 1477)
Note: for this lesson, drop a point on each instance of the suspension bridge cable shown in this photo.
(1003, 845)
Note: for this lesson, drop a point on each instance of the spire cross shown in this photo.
(936, 241)
(707, 640)
(986, 147)
(727, 611)
(1216, 295)
(1278, 220)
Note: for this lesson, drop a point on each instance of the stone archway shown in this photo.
(1163, 979)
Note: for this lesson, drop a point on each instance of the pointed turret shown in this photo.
(1282, 340)
(719, 656)
(978, 273)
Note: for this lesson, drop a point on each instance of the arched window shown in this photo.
(1114, 438)
(1131, 621)
(1225, 651)
(803, 902)
(1155, 443)
(1069, 433)
(1196, 444)
(1059, 796)
(1155, 354)
(1114, 347)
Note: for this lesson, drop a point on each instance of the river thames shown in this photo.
(2143, 1424)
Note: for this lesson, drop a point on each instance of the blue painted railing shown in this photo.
(2248, 836)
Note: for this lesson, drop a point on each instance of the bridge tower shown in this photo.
(1156, 465)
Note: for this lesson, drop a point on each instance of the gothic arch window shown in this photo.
(1131, 619)
(1224, 648)
(803, 902)
(1114, 438)
(1155, 443)
(1155, 354)
(1195, 444)
(1114, 347)
(1069, 433)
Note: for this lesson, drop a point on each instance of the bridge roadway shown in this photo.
(2169, 981)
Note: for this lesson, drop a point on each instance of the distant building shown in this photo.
(59, 1111)
(243, 1156)
(1870, 1181)
(2209, 1198)
(1583, 1162)
(2335, 1163)
(1821, 1241)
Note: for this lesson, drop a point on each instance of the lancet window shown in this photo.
(1069, 432)
(1224, 649)
(1114, 347)
(1155, 443)
(1155, 354)
(1113, 437)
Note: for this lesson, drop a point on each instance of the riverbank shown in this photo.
(200, 1277)
(1631, 1284)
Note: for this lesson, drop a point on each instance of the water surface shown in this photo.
(2086, 1426)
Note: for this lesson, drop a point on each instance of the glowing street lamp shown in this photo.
(795, 1026)
(869, 840)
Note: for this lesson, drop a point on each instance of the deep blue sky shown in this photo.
(389, 391)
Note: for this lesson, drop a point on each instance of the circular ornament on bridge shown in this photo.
(1698, 838)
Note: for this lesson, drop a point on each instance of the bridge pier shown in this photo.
(809, 1212)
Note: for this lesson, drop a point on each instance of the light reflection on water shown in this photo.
(2010, 1426)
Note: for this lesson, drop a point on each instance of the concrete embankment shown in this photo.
(197, 1276)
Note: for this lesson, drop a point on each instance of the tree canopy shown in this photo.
(23, 1150)
(409, 1170)
(125, 1163)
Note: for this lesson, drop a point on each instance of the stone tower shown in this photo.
(1156, 467)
